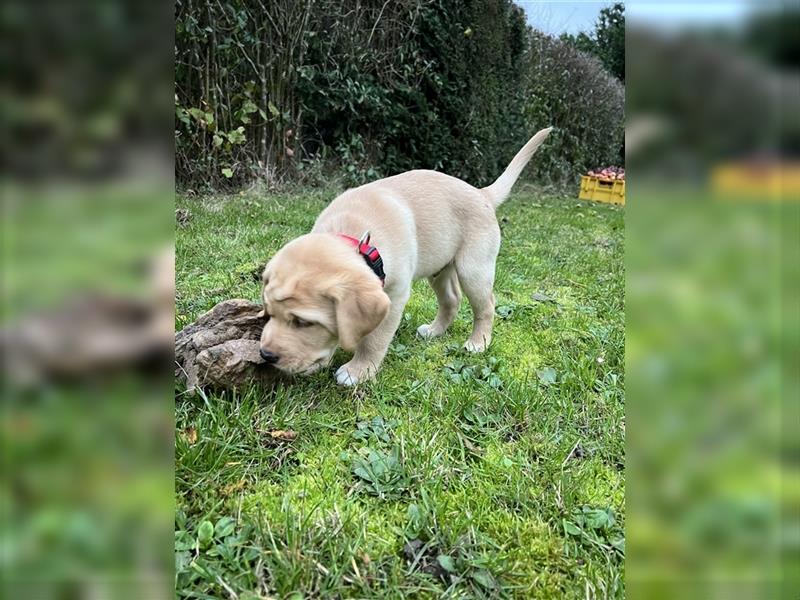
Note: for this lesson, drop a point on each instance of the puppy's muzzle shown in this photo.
(269, 357)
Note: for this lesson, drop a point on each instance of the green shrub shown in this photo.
(369, 89)
(570, 90)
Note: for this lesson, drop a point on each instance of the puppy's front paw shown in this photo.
(473, 346)
(428, 332)
(349, 374)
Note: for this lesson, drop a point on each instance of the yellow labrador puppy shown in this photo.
(340, 286)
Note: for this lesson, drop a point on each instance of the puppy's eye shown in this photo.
(297, 322)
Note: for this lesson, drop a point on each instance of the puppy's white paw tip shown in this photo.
(424, 331)
(471, 346)
(344, 377)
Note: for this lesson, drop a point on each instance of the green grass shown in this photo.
(451, 475)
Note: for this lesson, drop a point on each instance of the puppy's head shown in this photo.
(318, 294)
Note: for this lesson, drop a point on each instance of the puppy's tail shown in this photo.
(501, 188)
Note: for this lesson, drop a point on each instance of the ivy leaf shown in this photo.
(273, 109)
(228, 172)
(181, 114)
(237, 136)
(217, 140)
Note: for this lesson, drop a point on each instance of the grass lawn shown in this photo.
(451, 475)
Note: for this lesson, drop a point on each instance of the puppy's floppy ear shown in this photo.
(360, 308)
(264, 281)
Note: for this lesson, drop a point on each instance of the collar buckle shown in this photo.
(370, 254)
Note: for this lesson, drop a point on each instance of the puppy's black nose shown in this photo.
(269, 357)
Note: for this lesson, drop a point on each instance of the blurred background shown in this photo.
(713, 145)
(87, 317)
(91, 92)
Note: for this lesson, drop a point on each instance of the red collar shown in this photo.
(370, 253)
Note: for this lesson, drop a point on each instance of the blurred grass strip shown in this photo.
(706, 416)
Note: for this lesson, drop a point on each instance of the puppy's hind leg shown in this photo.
(475, 266)
(448, 294)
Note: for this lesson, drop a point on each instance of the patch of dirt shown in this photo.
(183, 216)
(426, 559)
(580, 452)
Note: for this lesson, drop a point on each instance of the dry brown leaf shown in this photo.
(471, 447)
(233, 487)
(282, 435)
(190, 435)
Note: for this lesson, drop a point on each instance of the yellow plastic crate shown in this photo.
(594, 188)
(776, 180)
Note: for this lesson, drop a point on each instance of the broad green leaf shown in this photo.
(570, 528)
(414, 516)
(183, 541)
(539, 297)
(446, 562)
(196, 113)
(205, 533)
(619, 544)
(547, 375)
(597, 518)
(484, 579)
(224, 527)
(181, 114)
(182, 560)
(228, 172)
(504, 311)
(363, 473)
